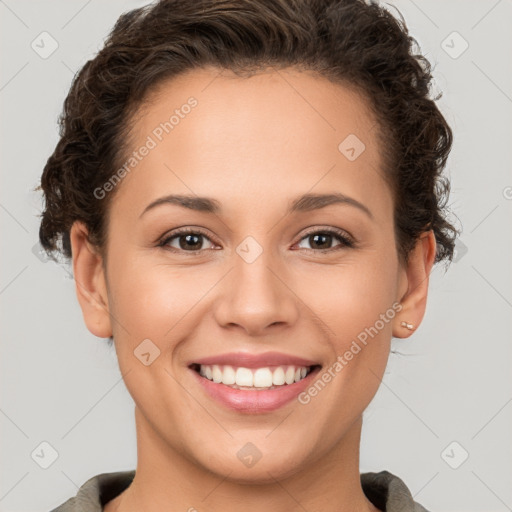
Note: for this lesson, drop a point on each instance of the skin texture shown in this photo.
(253, 144)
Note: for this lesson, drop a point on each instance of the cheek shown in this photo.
(150, 300)
(351, 297)
(156, 301)
(356, 305)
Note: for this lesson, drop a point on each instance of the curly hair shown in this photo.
(350, 42)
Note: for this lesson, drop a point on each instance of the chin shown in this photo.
(265, 470)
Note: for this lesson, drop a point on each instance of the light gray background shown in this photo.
(60, 384)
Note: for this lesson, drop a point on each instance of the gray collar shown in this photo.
(385, 490)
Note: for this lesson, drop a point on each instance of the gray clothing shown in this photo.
(385, 490)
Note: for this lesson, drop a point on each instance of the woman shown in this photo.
(252, 197)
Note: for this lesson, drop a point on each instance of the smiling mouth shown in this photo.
(254, 379)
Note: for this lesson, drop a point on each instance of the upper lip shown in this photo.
(248, 360)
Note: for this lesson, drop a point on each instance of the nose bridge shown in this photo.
(256, 298)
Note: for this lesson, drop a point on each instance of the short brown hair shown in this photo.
(346, 41)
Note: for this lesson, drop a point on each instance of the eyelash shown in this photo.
(342, 236)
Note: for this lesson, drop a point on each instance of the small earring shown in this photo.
(407, 326)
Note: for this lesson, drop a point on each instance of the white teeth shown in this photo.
(229, 375)
(253, 378)
(278, 376)
(290, 375)
(244, 377)
(216, 374)
(263, 378)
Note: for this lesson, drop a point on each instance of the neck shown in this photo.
(166, 480)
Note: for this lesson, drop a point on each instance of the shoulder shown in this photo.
(97, 491)
(389, 493)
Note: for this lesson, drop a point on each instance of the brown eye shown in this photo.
(193, 242)
(320, 241)
(323, 240)
(188, 241)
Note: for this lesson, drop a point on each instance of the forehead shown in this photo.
(213, 133)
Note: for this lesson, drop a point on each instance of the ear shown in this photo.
(413, 287)
(90, 282)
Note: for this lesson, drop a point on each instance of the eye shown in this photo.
(188, 240)
(192, 240)
(321, 240)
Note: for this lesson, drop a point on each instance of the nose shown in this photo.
(256, 296)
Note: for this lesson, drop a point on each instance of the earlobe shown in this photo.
(416, 277)
(90, 282)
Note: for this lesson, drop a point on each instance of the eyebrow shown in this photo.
(304, 203)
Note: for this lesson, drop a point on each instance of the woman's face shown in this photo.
(271, 269)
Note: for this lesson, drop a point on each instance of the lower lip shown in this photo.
(255, 401)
